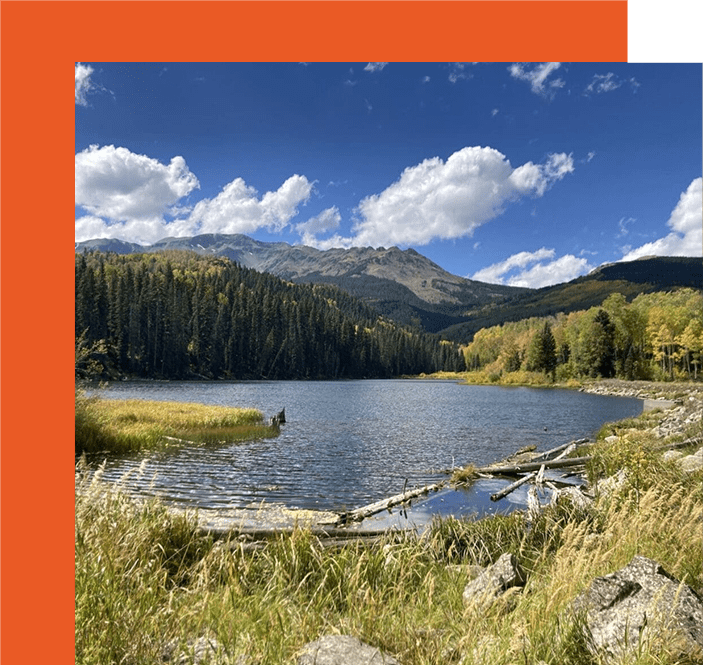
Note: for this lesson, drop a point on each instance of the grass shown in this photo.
(120, 426)
(146, 577)
(501, 378)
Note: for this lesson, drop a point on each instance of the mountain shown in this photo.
(631, 278)
(409, 288)
(403, 285)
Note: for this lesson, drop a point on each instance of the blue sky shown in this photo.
(518, 173)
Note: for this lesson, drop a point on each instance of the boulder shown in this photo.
(342, 650)
(672, 455)
(691, 463)
(639, 603)
(494, 581)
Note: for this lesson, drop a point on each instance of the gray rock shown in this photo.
(576, 496)
(612, 484)
(494, 580)
(638, 603)
(691, 463)
(672, 455)
(342, 650)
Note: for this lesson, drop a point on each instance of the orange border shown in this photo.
(40, 43)
(573, 30)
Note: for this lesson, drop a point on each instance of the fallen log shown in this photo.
(366, 511)
(249, 534)
(559, 449)
(322, 543)
(514, 470)
(694, 441)
(510, 488)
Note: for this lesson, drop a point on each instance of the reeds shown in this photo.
(121, 426)
(146, 578)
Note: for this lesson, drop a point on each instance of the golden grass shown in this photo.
(146, 577)
(129, 425)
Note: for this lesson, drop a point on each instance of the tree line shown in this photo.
(656, 336)
(179, 315)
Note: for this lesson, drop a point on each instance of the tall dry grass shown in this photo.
(146, 577)
(120, 426)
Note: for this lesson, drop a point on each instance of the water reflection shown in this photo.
(348, 443)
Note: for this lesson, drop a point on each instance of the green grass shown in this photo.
(120, 426)
(147, 577)
(500, 378)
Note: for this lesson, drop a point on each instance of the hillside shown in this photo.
(179, 315)
(402, 285)
(631, 278)
(407, 287)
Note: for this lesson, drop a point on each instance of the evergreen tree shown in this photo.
(542, 356)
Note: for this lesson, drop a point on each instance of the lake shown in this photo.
(349, 443)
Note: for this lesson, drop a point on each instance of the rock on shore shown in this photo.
(682, 402)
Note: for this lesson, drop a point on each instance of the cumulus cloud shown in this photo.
(534, 269)
(328, 220)
(137, 198)
(121, 185)
(686, 224)
(537, 75)
(375, 66)
(238, 209)
(445, 200)
(83, 83)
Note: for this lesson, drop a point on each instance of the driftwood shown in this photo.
(559, 449)
(510, 488)
(373, 508)
(252, 539)
(261, 532)
(323, 543)
(514, 470)
(279, 418)
(696, 440)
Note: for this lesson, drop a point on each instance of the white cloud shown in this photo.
(622, 225)
(237, 208)
(328, 220)
(121, 185)
(130, 196)
(437, 199)
(686, 224)
(83, 83)
(543, 272)
(375, 66)
(537, 76)
(602, 83)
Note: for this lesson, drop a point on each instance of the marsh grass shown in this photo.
(121, 426)
(147, 577)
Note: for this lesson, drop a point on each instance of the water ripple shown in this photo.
(349, 443)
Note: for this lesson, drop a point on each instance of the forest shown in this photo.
(179, 315)
(656, 336)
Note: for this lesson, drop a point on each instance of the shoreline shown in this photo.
(669, 410)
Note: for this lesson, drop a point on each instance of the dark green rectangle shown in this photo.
(665, 31)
